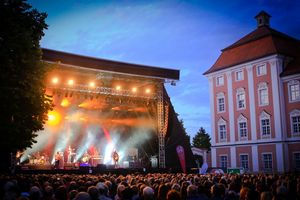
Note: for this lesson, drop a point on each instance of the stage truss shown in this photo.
(162, 106)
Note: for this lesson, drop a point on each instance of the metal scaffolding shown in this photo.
(162, 119)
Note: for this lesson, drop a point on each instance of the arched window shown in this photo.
(241, 98)
(242, 128)
(294, 91)
(265, 125)
(222, 133)
(263, 96)
(221, 102)
(295, 122)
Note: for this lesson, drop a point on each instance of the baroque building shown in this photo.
(255, 102)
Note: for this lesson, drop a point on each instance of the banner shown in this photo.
(181, 156)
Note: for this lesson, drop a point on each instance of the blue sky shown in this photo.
(184, 35)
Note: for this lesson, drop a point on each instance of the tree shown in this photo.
(187, 136)
(202, 139)
(24, 105)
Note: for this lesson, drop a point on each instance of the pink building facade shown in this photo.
(255, 90)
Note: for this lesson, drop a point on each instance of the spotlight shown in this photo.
(55, 80)
(70, 82)
(134, 89)
(118, 87)
(147, 90)
(92, 84)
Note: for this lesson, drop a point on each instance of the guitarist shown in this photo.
(115, 157)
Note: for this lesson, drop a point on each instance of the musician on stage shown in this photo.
(57, 159)
(115, 157)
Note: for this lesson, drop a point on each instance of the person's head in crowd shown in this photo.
(218, 190)
(243, 193)
(148, 193)
(82, 196)
(35, 193)
(173, 195)
(231, 195)
(102, 188)
(266, 196)
(192, 191)
(120, 189)
(61, 193)
(48, 192)
(252, 195)
(72, 194)
(127, 194)
(93, 192)
(162, 192)
(176, 186)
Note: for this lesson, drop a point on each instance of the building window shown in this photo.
(221, 102)
(220, 80)
(242, 128)
(295, 122)
(244, 161)
(241, 98)
(294, 91)
(267, 161)
(239, 75)
(296, 158)
(263, 94)
(222, 130)
(261, 70)
(223, 161)
(265, 126)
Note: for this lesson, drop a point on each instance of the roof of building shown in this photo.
(263, 41)
(109, 65)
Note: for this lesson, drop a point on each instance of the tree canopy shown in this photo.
(24, 105)
(201, 139)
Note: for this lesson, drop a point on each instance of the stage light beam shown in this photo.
(71, 82)
(55, 80)
(92, 84)
(53, 118)
(147, 91)
(118, 87)
(134, 89)
(65, 103)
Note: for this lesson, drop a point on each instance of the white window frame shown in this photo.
(261, 69)
(218, 78)
(244, 154)
(240, 91)
(294, 160)
(294, 113)
(263, 161)
(222, 122)
(297, 92)
(220, 157)
(263, 86)
(221, 95)
(241, 73)
(263, 116)
(240, 120)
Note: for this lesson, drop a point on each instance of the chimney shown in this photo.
(263, 19)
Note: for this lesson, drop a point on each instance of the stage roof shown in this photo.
(109, 65)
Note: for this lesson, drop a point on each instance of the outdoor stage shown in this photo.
(102, 106)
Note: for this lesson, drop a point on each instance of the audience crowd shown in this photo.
(155, 186)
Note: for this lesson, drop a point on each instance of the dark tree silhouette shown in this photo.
(24, 105)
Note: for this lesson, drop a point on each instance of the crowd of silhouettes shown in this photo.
(154, 186)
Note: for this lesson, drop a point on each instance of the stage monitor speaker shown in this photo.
(101, 166)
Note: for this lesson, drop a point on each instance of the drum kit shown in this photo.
(38, 160)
